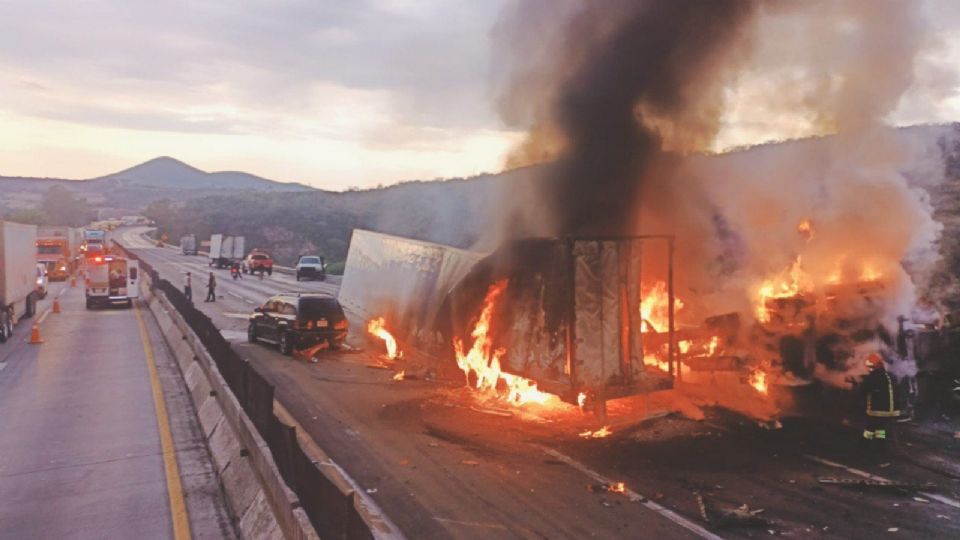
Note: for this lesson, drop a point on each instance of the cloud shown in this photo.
(357, 72)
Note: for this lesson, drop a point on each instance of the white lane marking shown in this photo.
(633, 495)
(236, 315)
(864, 474)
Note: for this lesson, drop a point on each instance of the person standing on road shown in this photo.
(188, 288)
(881, 403)
(211, 289)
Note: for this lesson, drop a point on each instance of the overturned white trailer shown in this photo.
(403, 279)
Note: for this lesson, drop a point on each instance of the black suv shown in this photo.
(298, 320)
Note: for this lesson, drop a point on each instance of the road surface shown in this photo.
(81, 454)
(444, 464)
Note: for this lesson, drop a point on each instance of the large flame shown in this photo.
(655, 308)
(788, 284)
(483, 359)
(758, 380)
(378, 328)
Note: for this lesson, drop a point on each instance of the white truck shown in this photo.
(188, 244)
(18, 275)
(226, 250)
(112, 279)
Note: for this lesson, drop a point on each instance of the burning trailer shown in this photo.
(563, 316)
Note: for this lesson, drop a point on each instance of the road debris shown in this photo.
(742, 516)
(470, 462)
(906, 486)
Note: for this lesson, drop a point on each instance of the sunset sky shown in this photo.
(331, 94)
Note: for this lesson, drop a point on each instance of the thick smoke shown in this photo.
(622, 99)
(604, 85)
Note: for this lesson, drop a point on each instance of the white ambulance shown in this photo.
(111, 279)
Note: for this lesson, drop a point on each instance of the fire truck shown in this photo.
(111, 280)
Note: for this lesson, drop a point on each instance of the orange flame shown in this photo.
(712, 346)
(581, 400)
(398, 376)
(619, 487)
(655, 308)
(377, 327)
(483, 360)
(758, 380)
(869, 273)
(605, 431)
(790, 283)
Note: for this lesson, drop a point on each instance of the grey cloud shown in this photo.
(433, 61)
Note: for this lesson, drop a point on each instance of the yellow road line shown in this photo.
(178, 510)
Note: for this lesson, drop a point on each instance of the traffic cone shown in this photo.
(56, 305)
(35, 336)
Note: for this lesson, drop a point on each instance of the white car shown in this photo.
(311, 266)
(43, 282)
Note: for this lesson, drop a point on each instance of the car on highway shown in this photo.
(299, 320)
(43, 281)
(311, 267)
(258, 260)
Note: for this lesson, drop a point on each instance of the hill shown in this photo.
(169, 173)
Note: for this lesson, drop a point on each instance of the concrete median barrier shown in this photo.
(288, 488)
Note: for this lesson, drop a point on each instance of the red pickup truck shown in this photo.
(258, 260)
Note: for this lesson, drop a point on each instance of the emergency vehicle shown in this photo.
(111, 279)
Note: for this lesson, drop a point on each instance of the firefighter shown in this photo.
(881, 402)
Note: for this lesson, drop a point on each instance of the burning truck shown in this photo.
(593, 319)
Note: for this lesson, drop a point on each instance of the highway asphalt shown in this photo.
(80, 446)
(443, 463)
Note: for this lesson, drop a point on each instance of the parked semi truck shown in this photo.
(188, 244)
(226, 250)
(18, 275)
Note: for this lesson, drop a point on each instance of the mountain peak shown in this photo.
(166, 172)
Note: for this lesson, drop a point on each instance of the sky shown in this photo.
(330, 93)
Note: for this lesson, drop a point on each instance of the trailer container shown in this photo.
(18, 275)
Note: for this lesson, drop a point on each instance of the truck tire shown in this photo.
(270, 271)
(4, 326)
(298, 276)
(286, 344)
(89, 304)
(31, 306)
